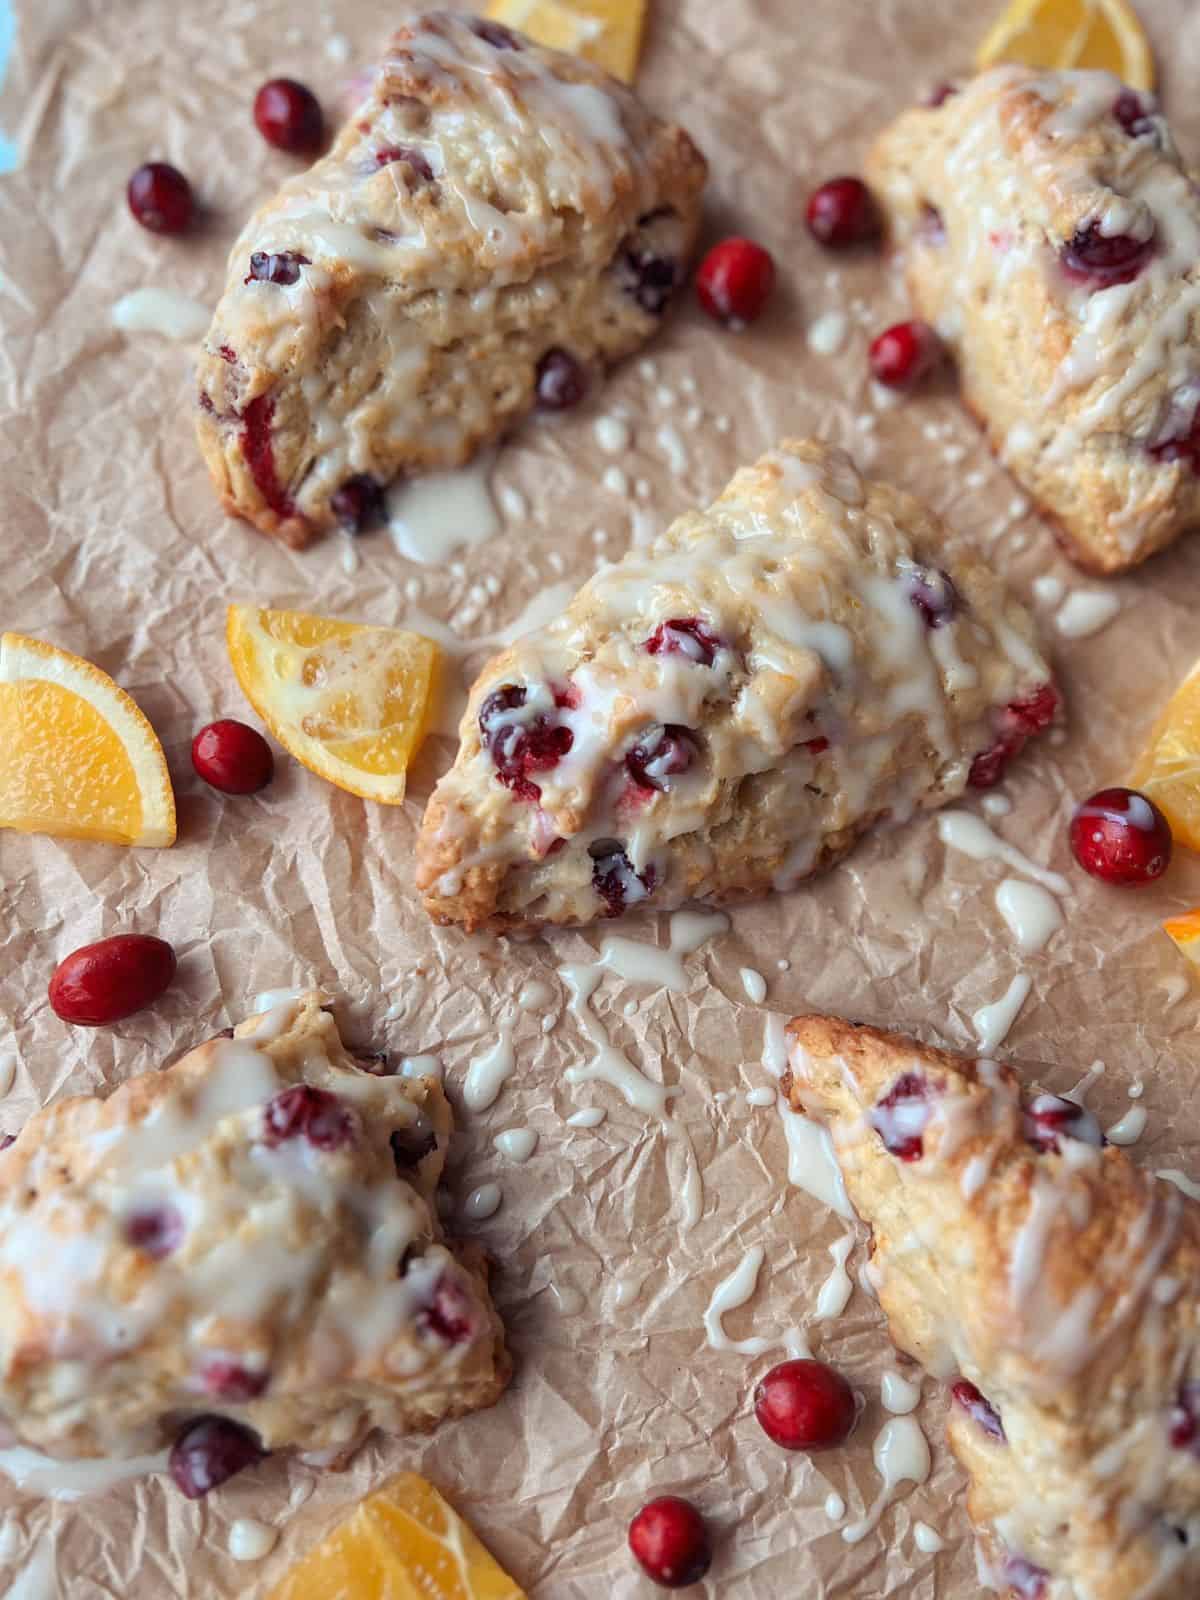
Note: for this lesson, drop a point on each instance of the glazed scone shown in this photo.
(248, 1235)
(1053, 1284)
(491, 210)
(1052, 236)
(726, 710)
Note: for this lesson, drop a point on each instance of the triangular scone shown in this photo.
(1052, 1283)
(495, 221)
(248, 1234)
(725, 711)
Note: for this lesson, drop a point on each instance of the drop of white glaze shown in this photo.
(754, 984)
(536, 995)
(608, 1064)
(421, 1067)
(1086, 612)
(39, 1578)
(250, 1540)
(646, 963)
(615, 480)
(270, 998)
(513, 504)
(432, 516)
(518, 1144)
(901, 1455)
(589, 1117)
(812, 1165)
(569, 1300)
(996, 805)
(730, 1293)
(1032, 913)
(835, 1507)
(1130, 1128)
(613, 435)
(1048, 590)
(161, 311)
(672, 448)
(992, 1022)
(761, 1097)
(488, 1073)
(827, 334)
(927, 1540)
(483, 1202)
(834, 1294)
(898, 1394)
(627, 1291)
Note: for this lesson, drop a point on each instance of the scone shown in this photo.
(1054, 1285)
(239, 1253)
(725, 711)
(1052, 236)
(494, 220)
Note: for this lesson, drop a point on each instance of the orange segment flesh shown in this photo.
(1185, 932)
(1168, 770)
(1060, 34)
(608, 32)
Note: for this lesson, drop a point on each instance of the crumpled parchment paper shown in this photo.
(114, 547)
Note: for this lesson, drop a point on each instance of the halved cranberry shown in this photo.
(494, 33)
(1132, 114)
(735, 280)
(938, 95)
(662, 753)
(842, 213)
(315, 1114)
(1025, 1579)
(233, 757)
(815, 746)
(614, 878)
(409, 155)
(1049, 1118)
(647, 278)
(561, 381)
(685, 636)
(449, 1314)
(209, 1451)
(1033, 713)
(156, 1232)
(1103, 260)
(357, 502)
(281, 267)
(259, 452)
(670, 1542)
(111, 979)
(933, 594)
(160, 197)
(901, 1117)
(289, 116)
(1121, 837)
(227, 353)
(1185, 1419)
(980, 1411)
(517, 747)
(229, 1380)
(1016, 724)
(410, 1146)
(902, 354)
(805, 1405)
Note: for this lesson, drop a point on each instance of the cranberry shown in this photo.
(357, 503)
(209, 1451)
(1179, 437)
(900, 1118)
(804, 1405)
(841, 213)
(494, 33)
(103, 982)
(259, 452)
(735, 280)
(160, 198)
(281, 267)
(233, 757)
(670, 1542)
(409, 155)
(1132, 114)
(932, 225)
(938, 95)
(817, 745)
(410, 1146)
(902, 354)
(1017, 723)
(316, 1114)
(685, 636)
(1033, 713)
(983, 1414)
(1024, 1579)
(1121, 837)
(561, 381)
(229, 1380)
(6, 1139)
(449, 1314)
(614, 878)
(661, 753)
(289, 116)
(1103, 260)
(226, 353)
(155, 1232)
(933, 594)
(1049, 1118)
(648, 279)
(519, 747)
(1185, 1419)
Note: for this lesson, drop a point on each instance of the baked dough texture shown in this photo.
(488, 202)
(1051, 234)
(249, 1234)
(1056, 1286)
(726, 710)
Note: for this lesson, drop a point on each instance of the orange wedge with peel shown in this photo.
(1184, 931)
(403, 1543)
(80, 760)
(1060, 34)
(1168, 769)
(608, 32)
(349, 701)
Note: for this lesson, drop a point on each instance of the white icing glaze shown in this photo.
(489, 1072)
(250, 1540)
(430, 517)
(536, 994)
(589, 1117)
(901, 1455)
(1130, 1128)
(164, 311)
(835, 1507)
(1032, 914)
(834, 1294)
(992, 1022)
(421, 1067)
(567, 1299)
(761, 1097)
(517, 1144)
(730, 1293)
(898, 1394)
(613, 434)
(38, 1579)
(72, 1480)
(483, 1202)
(1084, 613)
(996, 805)
(927, 1540)
(672, 448)
(608, 1064)
(971, 835)
(754, 985)
(1181, 1181)
(827, 333)
(645, 963)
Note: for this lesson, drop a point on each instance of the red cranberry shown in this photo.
(1185, 1419)
(155, 1232)
(409, 155)
(226, 353)
(229, 1380)
(842, 213)
(662, 752)
(933, 594)
(614, 878)
(103, 982)
(357, 503)
(410, 1146)
(1132, 114)
(685, 636)
(289, 116)
(160, 198)
(494, 33)
(1024, 1579)
(901, 1117)
(449, 1315)
(281, 267)
(1103, 260)
(233, 757)
(735, 280)
(259, 452)
(980, 1411)
(209, 1451)
(521, 746)
(805, 1405)
(670, 1542)
(1121, 837)
(648, 279)
(817, 745)
(561, 381)
(315, 1114)
(6, 1139)
(902, 354)
(1034, 712)
(1049, 1118)
(1016, 724)
(938, 95)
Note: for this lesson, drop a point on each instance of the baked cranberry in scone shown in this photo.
(495, 222)
(725, 711)
(1052, 1284)
(1051, 234)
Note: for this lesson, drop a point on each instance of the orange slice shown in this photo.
(608, 32)
(1185, 932)
(80, 760)
(404, 1543)
(348, 700)
(1168, 770)
(1057, 34)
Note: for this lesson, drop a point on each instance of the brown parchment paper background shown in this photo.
(113, 546)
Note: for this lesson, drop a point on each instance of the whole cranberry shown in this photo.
(842, 213)
(208, 1452)
(103, 982)
(981, 1411)
(160, 198)
(233, 757)
(1122, 838)
(1102, 260)
(289, 116)
(357, 502)
(902, 354)
(901, 1117)
(670, 1542)
(805, 1405)
(561, 381)
(735, 280)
